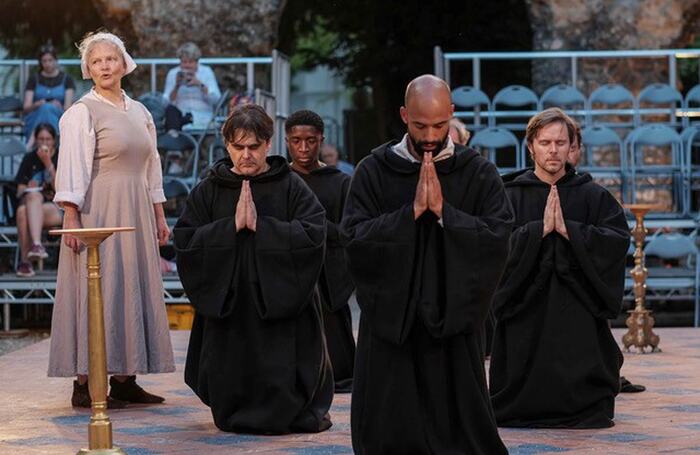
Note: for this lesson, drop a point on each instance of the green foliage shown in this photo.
(688, 68)
(25, 25)
(315, 45)
(383, 44)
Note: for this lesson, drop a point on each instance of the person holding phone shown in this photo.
(35, 191)
(191, 89)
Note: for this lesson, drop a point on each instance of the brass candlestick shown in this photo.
(640, 320)
(99, 428)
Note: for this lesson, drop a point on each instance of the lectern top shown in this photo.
(107, 230)
(644, 207)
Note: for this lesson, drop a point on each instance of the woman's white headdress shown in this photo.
(86, 44)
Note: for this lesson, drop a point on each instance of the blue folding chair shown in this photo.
(490, 140)
(10, 103)
(601, 138)
(658, 100)
(12, 150)
(616, 101)
(657, 136)
(10, 115)
(468, 101)
(691, 112)
(155, 104)
(217, 150)
(691, 157)
(174, 146)
(565, 97)
(513, 96)
(670, 282)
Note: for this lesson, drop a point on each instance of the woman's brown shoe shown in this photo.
(81, 398)
(131, 392)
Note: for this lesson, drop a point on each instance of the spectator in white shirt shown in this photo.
(191, 89)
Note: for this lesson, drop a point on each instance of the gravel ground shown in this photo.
(13, 344)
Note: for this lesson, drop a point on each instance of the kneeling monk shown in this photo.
(250, 246)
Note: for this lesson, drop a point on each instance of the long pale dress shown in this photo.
(109, 167)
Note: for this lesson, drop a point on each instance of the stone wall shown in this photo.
(156, 28)
(614, 24)
(610, 24)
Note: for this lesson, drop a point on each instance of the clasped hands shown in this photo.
(246, 214)
(553, 215)
(428, 191)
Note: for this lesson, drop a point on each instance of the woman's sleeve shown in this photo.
(154, 173)
(75, 156)
(24, 172)
(31, 84)
(70, 83)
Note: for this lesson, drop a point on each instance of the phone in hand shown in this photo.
(185, 76)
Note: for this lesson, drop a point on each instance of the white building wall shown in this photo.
(323, 92)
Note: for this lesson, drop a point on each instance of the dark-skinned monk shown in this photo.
(250, 247)
(304, 138)
(554, 362)
(427, 224)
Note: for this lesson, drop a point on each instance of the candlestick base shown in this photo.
(640, 333)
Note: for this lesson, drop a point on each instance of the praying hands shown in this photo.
(553, 215)
(428, 191)
(246, 214)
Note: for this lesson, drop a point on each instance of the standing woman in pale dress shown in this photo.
(109, 175)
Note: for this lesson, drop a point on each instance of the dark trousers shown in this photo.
(175, 119)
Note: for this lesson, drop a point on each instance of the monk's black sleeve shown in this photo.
(519, 280)
(595, 264)
(333, 229)
(289, 254)
(336, 276)
(473, 255)
(380, 249)
(207, 256)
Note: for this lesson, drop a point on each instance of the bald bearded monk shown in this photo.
(427, 224)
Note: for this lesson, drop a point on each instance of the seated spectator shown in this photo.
(239, 99)
(47, 94)
(191, 89)
(331, 157)
(35, 191)
(458, 132)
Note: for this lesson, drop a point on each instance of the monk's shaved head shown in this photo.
(427, 112)
(427, 88)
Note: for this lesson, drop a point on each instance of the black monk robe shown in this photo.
(554, 361)
(331, 188)
(424, 291)
(257, 354)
